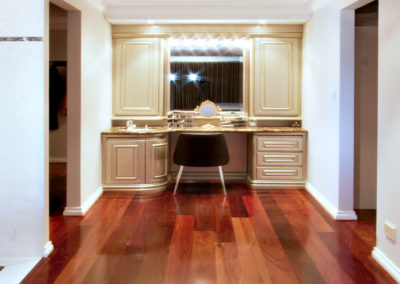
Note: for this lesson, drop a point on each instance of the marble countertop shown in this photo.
(166, 130)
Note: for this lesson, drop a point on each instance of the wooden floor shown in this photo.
(276, 236)
(57, 188)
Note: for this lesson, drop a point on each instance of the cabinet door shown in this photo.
(276, 78)
(138, 76)
(156, 160)
(125, 160)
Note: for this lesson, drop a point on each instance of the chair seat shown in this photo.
(201, 150)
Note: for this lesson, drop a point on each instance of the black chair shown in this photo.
(201, 150)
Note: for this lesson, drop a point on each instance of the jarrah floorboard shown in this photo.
(200, 236)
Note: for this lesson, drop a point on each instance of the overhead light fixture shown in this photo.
(262, 22)
(150, 22)
(206, 43)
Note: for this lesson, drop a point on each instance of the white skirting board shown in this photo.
(328, 206)
(208, 176)
(386, 263)
(81, 210)
(48, 249)
(58, 160)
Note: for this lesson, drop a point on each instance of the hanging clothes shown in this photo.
(56, 93)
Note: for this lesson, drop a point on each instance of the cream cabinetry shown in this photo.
(135, 163)
(275, 77)
(277, 159)
(138, 77)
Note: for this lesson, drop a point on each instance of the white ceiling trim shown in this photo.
(212, 13)
(98, 4)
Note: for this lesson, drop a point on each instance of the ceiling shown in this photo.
(206, 11)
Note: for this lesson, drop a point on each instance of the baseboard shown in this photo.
(57, 160)
(210, 176)
(81, 210)
(48, 249)
(386, 263)
(329, 207)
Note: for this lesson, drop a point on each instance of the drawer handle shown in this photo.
(270, 144)
(280, 158)
(280, 172)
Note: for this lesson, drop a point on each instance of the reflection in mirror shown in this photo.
(206, 70)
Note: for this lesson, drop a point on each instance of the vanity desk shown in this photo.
(140, 159)
(250, 73)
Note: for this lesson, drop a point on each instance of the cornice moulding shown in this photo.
(217, 13)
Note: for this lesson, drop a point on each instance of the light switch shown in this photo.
(390, 230)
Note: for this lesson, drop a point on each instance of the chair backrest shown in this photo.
(201, 150)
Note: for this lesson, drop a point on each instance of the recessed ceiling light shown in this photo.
(262, 22)
(150, 22)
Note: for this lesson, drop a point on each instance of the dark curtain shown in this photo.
(220, 82)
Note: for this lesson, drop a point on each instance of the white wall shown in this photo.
(328, 104)
(388, 252)
(320, 101)
(95, 103)
(23, 206)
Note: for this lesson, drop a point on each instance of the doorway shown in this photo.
(58, 19)
(366, 107)
(67, 47)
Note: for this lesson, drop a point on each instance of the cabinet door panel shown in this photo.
(276, 77)
(157, 160)
(138, 77)
(125, 161)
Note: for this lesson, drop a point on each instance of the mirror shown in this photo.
(206, 69)
(208, 109)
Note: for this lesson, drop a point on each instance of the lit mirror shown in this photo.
(208, 109)
(206, 69)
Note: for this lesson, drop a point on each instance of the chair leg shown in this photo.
(178, 178)
(222, 179)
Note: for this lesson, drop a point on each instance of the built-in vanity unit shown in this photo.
(162, 73)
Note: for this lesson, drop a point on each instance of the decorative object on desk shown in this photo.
(208, 109)
(208, 126)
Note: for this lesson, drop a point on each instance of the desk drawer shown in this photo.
(276, 173)
(279, 159)
(280, 143)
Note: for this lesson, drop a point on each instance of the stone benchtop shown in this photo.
(166, 130)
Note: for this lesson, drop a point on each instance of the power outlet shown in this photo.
(390, 230)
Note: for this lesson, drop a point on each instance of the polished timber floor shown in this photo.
(275, 236)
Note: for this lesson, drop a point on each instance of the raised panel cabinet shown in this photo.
(275, 73)
(135, 163)
(277, 159)
(138, 77)
(157, 160)
(124, 160)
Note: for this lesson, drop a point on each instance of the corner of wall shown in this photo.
(328, 206)
(81, 210)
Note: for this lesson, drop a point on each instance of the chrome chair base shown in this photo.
(221, 174)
